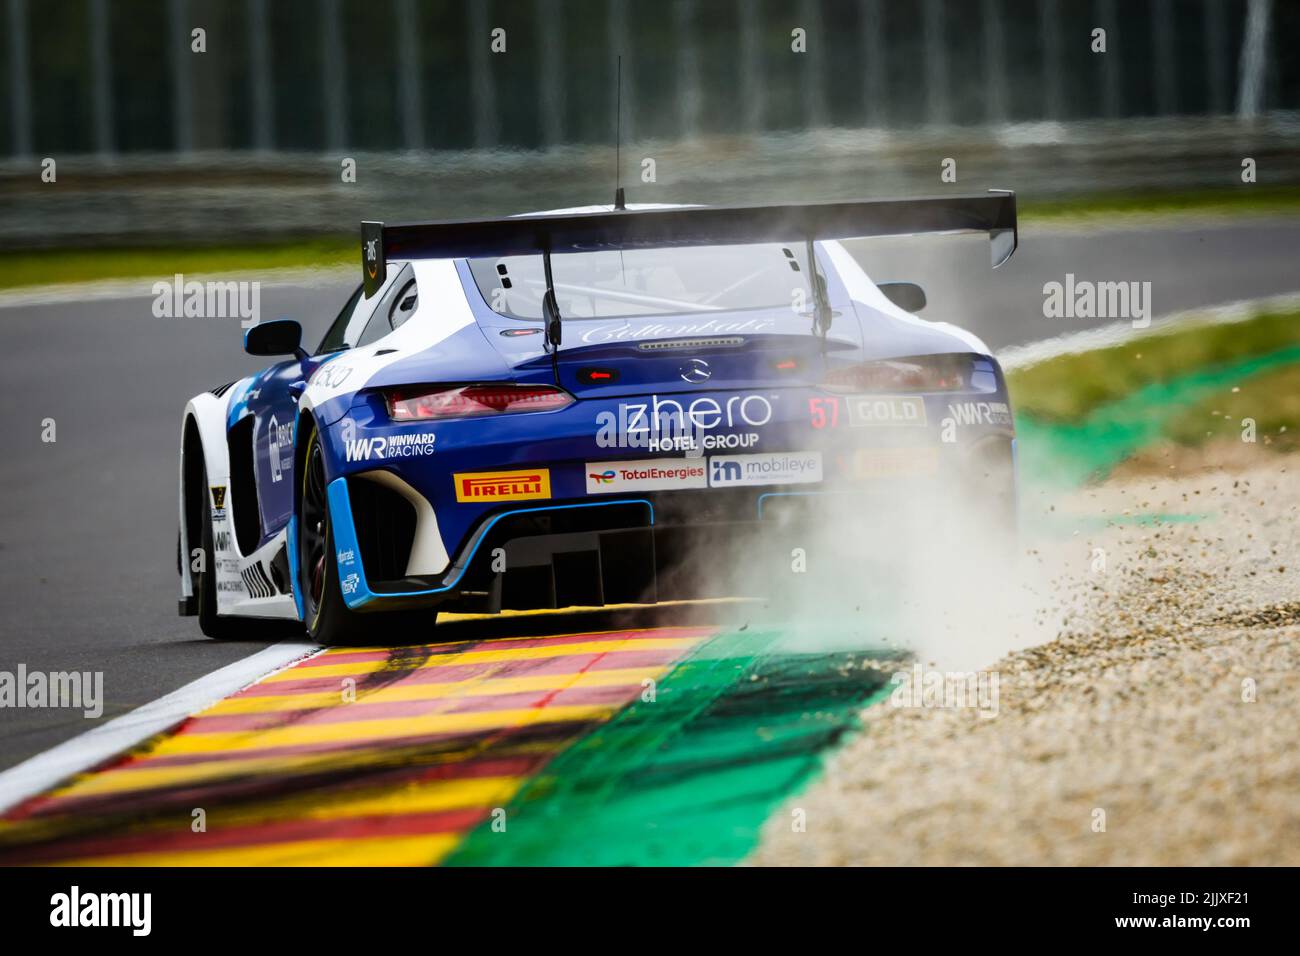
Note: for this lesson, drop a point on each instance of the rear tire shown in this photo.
(327, 616)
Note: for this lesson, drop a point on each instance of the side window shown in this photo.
(333, 341)
(408, 300)
(388, 313)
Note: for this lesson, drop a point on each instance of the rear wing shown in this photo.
(993, 212)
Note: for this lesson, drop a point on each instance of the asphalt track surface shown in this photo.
(87, 523)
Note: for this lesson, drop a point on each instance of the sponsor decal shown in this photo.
(279, 439)
(331, 375)
(980, 413)
(350, 583)
(219, 503)
(780, 468)
(666, 424)
(655, 475)
(372, 257)
(869, 410)
(870, 463)
(221, 541)
(347, 557)
(632, 331)
(383, 447)
(489, 486)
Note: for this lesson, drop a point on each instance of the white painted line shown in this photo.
(1022, 356)
(45, 770)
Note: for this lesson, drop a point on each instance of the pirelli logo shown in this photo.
(503, 485)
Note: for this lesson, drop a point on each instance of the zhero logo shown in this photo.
(331, 375)
(665, 474)
(666, 424)
(492, 486)
(392, 446)
(776, 469)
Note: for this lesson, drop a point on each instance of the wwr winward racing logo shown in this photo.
(391, 446)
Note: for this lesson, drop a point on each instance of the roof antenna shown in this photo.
(619, 201)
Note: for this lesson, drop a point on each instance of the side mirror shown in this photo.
(906, 295)
(278, 337)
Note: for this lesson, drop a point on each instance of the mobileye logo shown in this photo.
(605, 477)
(695, 371)
(790, 468)
(725, 471)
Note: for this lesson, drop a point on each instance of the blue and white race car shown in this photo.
(559, 409)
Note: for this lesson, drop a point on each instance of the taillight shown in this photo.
(471, 401)
(937, 373)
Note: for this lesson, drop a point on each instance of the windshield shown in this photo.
(632, 282)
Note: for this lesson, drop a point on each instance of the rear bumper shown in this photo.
(517, 538)
(642, 549)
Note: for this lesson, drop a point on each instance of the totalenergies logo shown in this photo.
(605, 477)
(480, 486)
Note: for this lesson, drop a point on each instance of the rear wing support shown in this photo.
(993, 213)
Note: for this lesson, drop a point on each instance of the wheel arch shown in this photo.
(202, 447)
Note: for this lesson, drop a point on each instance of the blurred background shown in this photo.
(454, 108)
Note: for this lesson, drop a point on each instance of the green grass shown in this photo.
(1271, 399)
(47, 267)
(1068, 387)
(25, 269)
(1228, 201)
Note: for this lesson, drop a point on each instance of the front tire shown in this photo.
(328, 618)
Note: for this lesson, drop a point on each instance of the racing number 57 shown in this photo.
(824, 412)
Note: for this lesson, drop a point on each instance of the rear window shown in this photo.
(632, 282)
